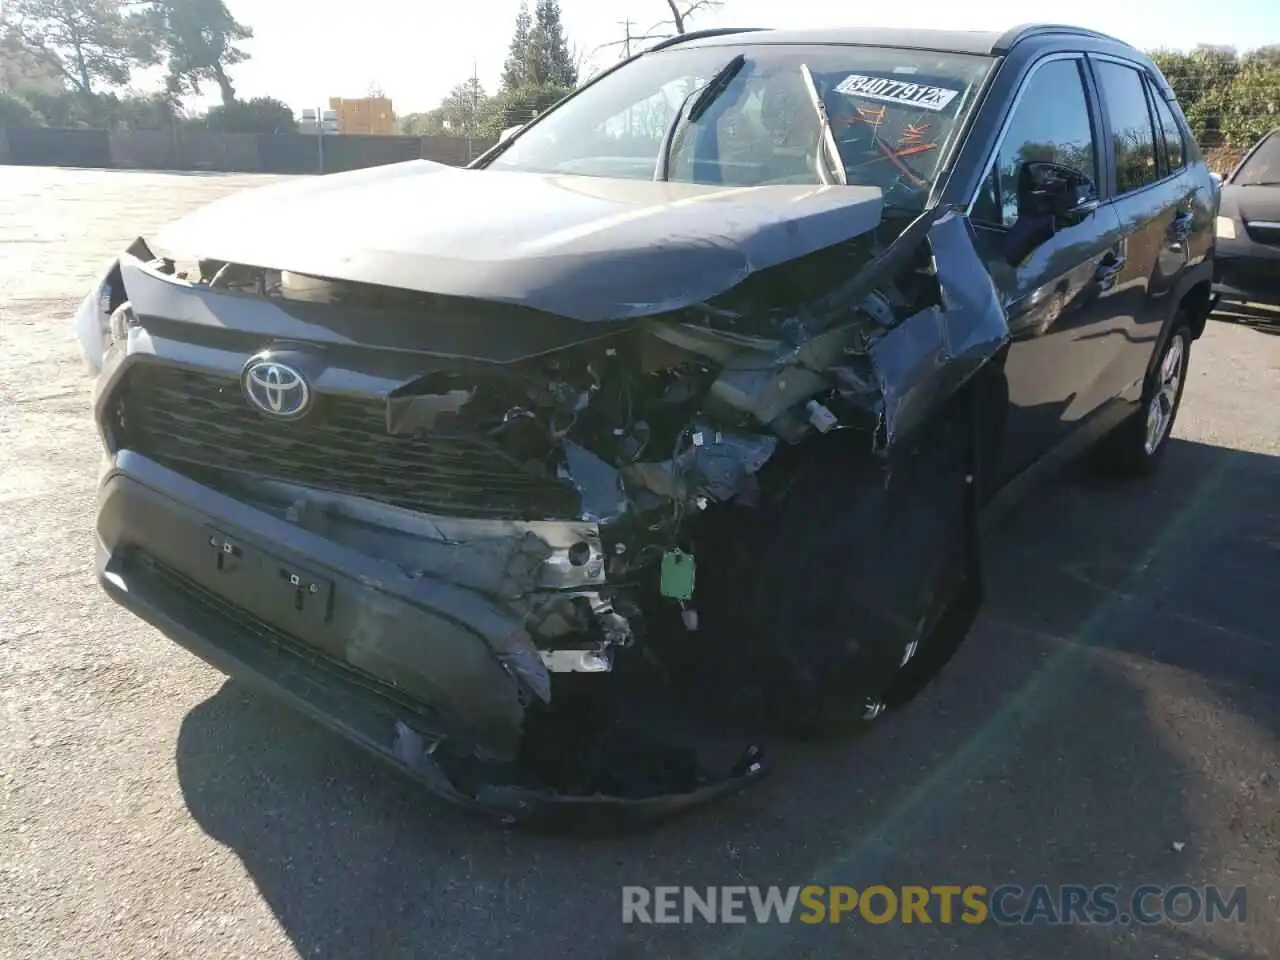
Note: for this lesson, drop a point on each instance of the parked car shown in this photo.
(1248, 227)
(673, 419)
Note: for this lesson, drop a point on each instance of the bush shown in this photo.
(16, 112)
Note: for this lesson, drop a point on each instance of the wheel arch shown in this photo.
(1197, 303)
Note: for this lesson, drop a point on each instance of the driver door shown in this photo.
(1060, 295)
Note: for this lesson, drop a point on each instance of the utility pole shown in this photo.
(626, 49)
(475, 109)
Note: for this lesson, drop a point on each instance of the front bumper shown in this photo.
(160, 537)
(1247, 271)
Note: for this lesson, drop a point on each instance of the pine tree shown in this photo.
(552, 62)
(516, 72)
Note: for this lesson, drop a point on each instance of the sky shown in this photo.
(305, 51)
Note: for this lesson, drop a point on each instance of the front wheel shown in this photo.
(846, 589)
(1136, 447)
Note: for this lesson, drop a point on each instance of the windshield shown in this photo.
(1263, 168)
(891, 113)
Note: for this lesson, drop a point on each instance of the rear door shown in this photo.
(1154, 205)
(1060, 298)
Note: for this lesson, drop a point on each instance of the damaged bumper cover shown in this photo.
(463, 672)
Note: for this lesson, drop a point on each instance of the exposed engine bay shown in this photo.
(589, 494)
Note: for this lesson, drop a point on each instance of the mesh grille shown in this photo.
(185, 418)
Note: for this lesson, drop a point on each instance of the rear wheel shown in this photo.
(1136, 447)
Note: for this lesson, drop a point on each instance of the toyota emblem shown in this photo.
(276, 388)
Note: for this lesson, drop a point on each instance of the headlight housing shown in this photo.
(92, 320)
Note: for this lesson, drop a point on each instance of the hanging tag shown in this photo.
(677, 575)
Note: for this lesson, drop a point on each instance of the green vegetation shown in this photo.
(1230, 99)
(64, 63)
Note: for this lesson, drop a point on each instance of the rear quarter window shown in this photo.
(1174, 149)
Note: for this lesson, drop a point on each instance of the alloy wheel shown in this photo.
(1164, 401)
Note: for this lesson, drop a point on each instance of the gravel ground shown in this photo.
(1120, 695)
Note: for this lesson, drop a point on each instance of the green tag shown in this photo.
(678, 570)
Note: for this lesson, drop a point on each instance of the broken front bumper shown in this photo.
(399, 665)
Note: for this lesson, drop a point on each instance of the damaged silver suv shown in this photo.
(669, 423)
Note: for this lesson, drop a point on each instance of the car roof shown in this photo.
(984, 42)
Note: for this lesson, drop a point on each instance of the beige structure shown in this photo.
(367, 115)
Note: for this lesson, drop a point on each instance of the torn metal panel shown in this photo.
(931, 354)
(603, 498)
(591, 248)
(716, 463)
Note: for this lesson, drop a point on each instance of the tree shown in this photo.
(427, 124)
(540, 70)
(1229, 100)
(1253, 109)
(87, 41)
(15, 111)
(1202, 80)
(681, 12)
(516, 72)
(259, 115)
(21, 70)
(199, 38)
(551, 63)
(461, 111)
(511, 108)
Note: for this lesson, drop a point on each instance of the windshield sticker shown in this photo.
(919, 95)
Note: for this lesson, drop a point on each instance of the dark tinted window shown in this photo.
(1172, 134)
(1051, 123)
(1263, 167)
(1131, 131)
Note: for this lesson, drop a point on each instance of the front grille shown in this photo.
(188, 419)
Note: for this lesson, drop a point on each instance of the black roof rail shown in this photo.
(1015, 35)
(700, 35)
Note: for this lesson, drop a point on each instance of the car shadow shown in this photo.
(1046, 753)
(1257, 316)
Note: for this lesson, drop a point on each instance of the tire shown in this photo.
(846, 590)
(1136, 447)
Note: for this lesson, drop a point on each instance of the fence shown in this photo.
(272, 153)
(232, 152)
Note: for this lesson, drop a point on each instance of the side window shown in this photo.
(1050, 123)
(1132, 135)
(1172, 134)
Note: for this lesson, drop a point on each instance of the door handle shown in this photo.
(1109, 270)
(1180, 229)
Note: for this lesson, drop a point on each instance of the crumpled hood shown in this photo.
(585, 247)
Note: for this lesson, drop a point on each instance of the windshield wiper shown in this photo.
(824, 123)
(697, 104)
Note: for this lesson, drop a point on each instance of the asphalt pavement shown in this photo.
(1113, 718)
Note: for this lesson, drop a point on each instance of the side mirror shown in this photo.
(1217, 180)
(510, 132)
(1051, 197)
(1057, 191)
